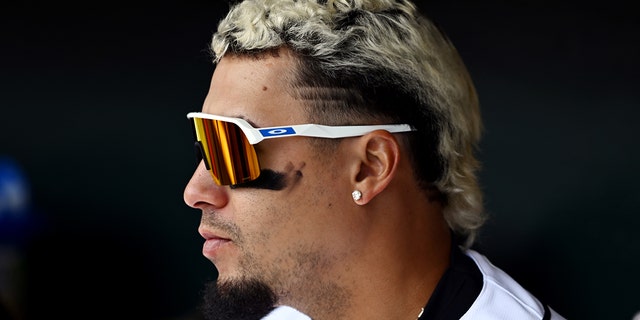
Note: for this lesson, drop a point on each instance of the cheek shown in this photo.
(301, 215)
(264, 220)
(273, 241)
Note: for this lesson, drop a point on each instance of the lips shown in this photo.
(213, 244)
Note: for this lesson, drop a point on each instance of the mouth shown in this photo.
(213, 244)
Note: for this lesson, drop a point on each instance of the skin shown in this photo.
(322, 252)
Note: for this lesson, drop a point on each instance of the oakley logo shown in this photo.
(277, 131)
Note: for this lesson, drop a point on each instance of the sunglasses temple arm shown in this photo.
(319, 131)
(322, 131)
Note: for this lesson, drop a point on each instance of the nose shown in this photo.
(202, 191)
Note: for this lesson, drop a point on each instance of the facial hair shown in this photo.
(244, 299)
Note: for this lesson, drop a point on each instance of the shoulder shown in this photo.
(502, 297)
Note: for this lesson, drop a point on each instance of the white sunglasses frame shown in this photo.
(255, 135)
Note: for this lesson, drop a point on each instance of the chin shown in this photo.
(238, 298)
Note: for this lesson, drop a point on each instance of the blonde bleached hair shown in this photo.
(377, 60)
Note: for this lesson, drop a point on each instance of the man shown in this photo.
(338, 178)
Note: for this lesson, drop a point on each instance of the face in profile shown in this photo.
(275, 237)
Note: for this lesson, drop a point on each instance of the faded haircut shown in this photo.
(376, 61)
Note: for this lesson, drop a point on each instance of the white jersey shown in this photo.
(502, 297)
(286, 313)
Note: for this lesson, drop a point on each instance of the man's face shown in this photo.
(288, 229)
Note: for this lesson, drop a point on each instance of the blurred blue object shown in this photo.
(15, 202)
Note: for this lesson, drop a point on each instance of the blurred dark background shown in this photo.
(95, 151)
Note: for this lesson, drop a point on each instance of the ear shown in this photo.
(378, 157)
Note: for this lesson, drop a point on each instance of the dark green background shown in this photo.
(93, 103)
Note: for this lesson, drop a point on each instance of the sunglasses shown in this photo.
(226, 144)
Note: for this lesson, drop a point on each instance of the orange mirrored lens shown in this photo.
(230, 158)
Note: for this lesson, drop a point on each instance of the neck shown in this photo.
(395, 273)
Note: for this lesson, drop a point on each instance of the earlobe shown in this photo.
(379, 156)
